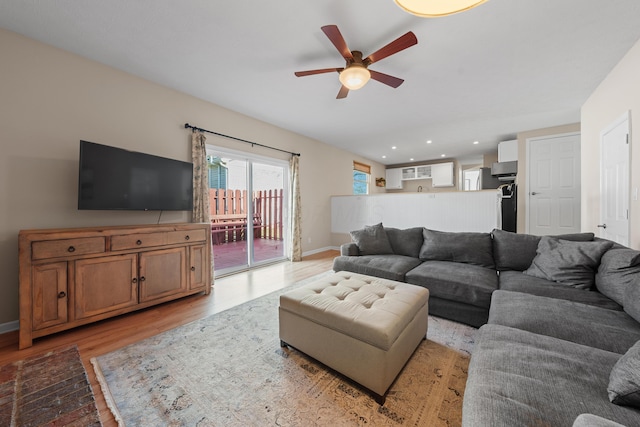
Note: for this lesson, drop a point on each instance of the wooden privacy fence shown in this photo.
(229, 215)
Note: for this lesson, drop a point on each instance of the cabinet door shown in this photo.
(508, 151)
(442, 174)
(197, 267)
(408, 173)
(105, 284)
(49, 287)
(162, 273)
(394, 178)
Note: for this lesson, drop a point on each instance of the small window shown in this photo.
(361, 176)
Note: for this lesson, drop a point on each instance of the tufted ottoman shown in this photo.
(364, 327)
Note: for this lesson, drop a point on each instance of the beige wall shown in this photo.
(618, 94)
(51, 99)
(521, 179)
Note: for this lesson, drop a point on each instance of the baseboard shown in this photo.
(9, 326)
(317, 251)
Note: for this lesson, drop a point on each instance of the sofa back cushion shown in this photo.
(632, 300)
(405, 242)
(570, 263)
(512, 251)
(372, 240)
(465, 247)
(619, 268)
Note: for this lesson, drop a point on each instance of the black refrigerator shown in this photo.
(509, 206)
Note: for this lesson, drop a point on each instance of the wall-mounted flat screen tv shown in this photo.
(114, 178)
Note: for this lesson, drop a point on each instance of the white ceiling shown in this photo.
(505, 67)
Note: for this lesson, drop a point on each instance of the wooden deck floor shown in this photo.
(234, 254)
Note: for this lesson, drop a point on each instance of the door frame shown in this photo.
(273, 161)
(624, 117)
(528, 141)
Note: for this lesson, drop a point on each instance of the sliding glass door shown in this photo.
(249, 205)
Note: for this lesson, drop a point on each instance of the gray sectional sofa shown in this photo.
(559, 318)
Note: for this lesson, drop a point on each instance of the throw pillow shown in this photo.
(618, 269)
(465, 247)
(631, 301)
(566, 262)
(514, 251)
(372, 240)
(624, 380)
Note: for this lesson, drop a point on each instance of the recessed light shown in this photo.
(384, 157)
(394, 147)
(443, 155)
(429, 142)
(476, 142)
(411, 159)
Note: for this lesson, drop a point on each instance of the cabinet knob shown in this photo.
(138, 242)
(71, 249)
(134, 280)
(142, 279)
(62, 294)
(193, 268)
(186, 237)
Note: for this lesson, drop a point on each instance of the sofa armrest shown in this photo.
(349, 249)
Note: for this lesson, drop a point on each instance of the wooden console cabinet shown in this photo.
(71, 277)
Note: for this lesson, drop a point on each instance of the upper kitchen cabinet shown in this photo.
(442, 175)
(394, 179)
(508, 151)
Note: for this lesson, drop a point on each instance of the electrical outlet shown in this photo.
(635, 194)
(309, 240)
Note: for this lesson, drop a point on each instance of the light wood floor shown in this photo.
(108, 335)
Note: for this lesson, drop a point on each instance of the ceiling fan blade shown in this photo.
(343, 92)
(394, 82)
(336, 38)
(401, 43)
(321, 71)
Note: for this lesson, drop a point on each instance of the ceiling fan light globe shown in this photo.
(436, 8)
(354, 77)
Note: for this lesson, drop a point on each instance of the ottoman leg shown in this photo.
(283, 344)
(380, 399)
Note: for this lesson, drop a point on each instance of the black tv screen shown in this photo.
(114, 178)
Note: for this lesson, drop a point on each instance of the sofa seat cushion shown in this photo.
(525, 379)
(519, 282)
(466, 283)
(392, 267)
(597, 327)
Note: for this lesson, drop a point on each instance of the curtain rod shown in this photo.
(188, 126)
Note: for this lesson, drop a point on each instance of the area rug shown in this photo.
(50, 389)
(229, 370)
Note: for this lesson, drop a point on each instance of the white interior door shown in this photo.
(614, 181)
(553, 196)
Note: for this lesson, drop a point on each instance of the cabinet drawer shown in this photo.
(67, 247)
(186, 236)
(140, 240)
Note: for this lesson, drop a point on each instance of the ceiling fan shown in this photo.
(355, 74)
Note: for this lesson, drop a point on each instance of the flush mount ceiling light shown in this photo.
(435, 8)
(355, 76)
